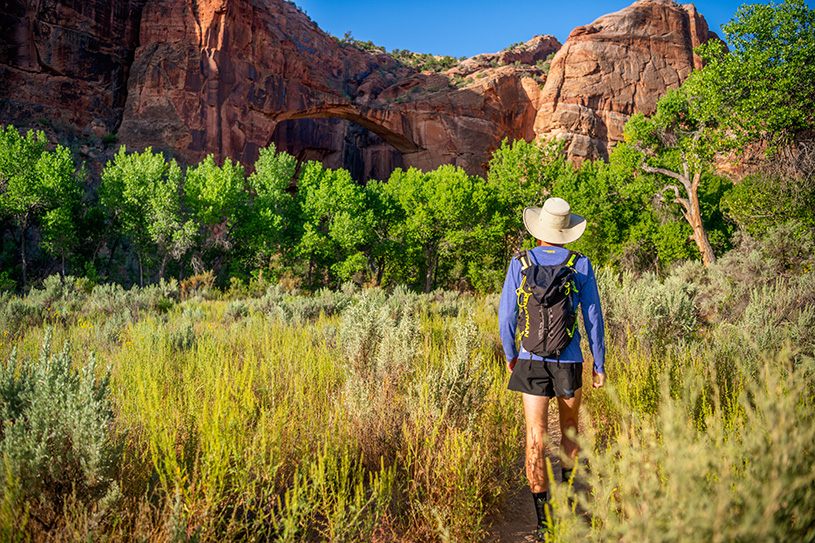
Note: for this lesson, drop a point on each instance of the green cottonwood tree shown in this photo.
(35, 182)
(761, 93)
(218, 199)
(679, 144)
(384, 250)
(142, 192)
(272, 227)
(761, 89)
(337, 225)
(445, 218)
(522, 174)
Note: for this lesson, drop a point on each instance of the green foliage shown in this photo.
(142, 192)
(37, 184)
(56, 431)
(216, 193)
(758, 90)
(337, 226)
(272, 226)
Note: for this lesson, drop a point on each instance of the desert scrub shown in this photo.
(650, 311)
(293, 309)
(379, 345)
(56, 435)
(457, 390)
(462, 438)
(742, 477)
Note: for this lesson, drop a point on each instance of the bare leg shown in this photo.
(568, 410)
(536, 412)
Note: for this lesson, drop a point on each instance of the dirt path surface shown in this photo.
(517, 520)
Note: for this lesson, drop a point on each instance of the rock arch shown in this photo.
(379, 122)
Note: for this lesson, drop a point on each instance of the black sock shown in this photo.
(541, 507)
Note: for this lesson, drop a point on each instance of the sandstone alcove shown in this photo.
(338, 143)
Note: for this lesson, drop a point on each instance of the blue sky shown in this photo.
(469, 27)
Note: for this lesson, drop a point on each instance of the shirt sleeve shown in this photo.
(508, 310)
(593, 318)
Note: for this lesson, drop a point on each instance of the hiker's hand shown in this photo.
(511, 364)
(599, 380)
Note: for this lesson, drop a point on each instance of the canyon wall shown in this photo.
(227, 77)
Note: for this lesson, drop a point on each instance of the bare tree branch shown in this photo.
(663, 171)
(683, 201)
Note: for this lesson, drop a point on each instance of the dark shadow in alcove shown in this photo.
(338, 143)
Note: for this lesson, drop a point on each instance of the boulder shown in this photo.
(620, 64)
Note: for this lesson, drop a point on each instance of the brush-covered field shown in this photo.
(183, 413)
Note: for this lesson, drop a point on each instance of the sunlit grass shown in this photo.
(287, 418)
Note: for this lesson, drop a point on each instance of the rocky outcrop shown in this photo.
(67, 61)
(227, 77)
(620, 64)
(221, 76)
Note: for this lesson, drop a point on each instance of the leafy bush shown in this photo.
(55, 435)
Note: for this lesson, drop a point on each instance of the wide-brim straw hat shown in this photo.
(554, 222)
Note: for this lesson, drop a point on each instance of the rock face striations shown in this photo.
(67, 61)
(227, 77)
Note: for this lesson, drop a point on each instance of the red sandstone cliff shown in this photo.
(620, 64)
(67, 61)
(230, 76)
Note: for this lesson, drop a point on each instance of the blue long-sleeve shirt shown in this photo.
(587, 296)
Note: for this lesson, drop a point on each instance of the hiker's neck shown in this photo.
(542, 243)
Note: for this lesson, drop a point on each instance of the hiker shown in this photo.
(557, 372)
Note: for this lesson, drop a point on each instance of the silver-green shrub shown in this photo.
(18, 313)
(236, 310)
(745, 475)
(782, 313)
(654, 312)
(55, 436)
(378, 351)
(457, 388)
(294, 310)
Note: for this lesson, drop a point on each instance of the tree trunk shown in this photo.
(379, 272)
(432, 261)
(141, 272)
(690, 205)
(24, 257)
(110, 258)
(695, 219)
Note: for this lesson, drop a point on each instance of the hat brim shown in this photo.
(577, 225)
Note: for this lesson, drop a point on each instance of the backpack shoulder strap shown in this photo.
(571, 259)
(523, 258)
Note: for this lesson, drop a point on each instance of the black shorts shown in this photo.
(541, 378)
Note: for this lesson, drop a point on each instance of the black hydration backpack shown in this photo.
(547, 316)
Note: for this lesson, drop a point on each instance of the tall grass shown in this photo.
(360, 415)
(239, 420)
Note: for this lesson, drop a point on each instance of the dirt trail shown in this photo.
(517, 520)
